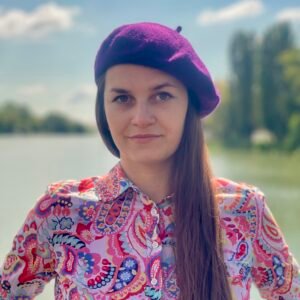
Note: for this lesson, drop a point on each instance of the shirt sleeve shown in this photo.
(30, 264)
(275, 270)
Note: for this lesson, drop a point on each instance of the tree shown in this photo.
(57, 122)
(275, 95)
(240, 114)
(17, 118)
(290, 62)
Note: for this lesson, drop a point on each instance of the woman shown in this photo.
(158, 225)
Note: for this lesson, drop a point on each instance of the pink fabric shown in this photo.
(102, 238)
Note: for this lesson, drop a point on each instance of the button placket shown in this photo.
(152, 239)
(154, 212)
(155, 215)
(155, 244)
(154, 281)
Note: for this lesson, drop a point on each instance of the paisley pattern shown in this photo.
(102, 238)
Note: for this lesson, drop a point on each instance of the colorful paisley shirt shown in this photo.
(102, 238)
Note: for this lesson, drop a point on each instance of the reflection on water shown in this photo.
(28, 164)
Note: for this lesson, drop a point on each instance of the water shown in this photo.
(28, 164)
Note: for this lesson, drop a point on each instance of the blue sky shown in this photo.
(47, 49)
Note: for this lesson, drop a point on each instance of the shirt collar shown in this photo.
(115, 182)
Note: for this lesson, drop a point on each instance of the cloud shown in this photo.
(84, 93)
(43, 20)
(241, 9)
(80, 103)
(32, 90)
(289, 14)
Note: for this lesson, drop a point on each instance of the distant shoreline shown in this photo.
(46, 134)
(19, 119)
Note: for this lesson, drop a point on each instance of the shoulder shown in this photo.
(76, 192)
(65, 193)
(227, 188)
(85, 188)
(238, 197)
(241, 208)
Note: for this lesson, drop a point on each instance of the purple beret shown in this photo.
(158, 46)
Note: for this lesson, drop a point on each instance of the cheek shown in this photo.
(179, 131)
(116, 123)
(177, 120)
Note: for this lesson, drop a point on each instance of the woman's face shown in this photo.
(141, 101)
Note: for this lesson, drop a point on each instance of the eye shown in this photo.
(121, 99)
(164, 96)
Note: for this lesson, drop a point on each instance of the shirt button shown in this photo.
(154, 281)
(154, 244)
(154, 212)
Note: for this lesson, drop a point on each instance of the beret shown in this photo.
(158, 46)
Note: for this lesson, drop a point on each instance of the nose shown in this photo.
(143, 115)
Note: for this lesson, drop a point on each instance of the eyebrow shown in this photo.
(155, 88)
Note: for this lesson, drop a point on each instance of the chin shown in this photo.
(150, 158)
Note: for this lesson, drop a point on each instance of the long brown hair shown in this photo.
(200, 267)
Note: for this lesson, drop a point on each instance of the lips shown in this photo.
(144, 136)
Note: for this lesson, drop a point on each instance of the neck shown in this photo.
(152, 179)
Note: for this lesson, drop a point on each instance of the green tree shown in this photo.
(292, 140)
(17, 118)
(275, 94)
(216, 125)
(239, 113)
(290, 62)
(57, 122)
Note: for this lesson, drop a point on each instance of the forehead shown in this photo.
(132, 75)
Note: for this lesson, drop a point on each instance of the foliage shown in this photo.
(263, 91)
(17, 118)
(275, 96)
(290, 63)
(293, 138)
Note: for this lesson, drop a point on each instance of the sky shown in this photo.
(47, 49)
